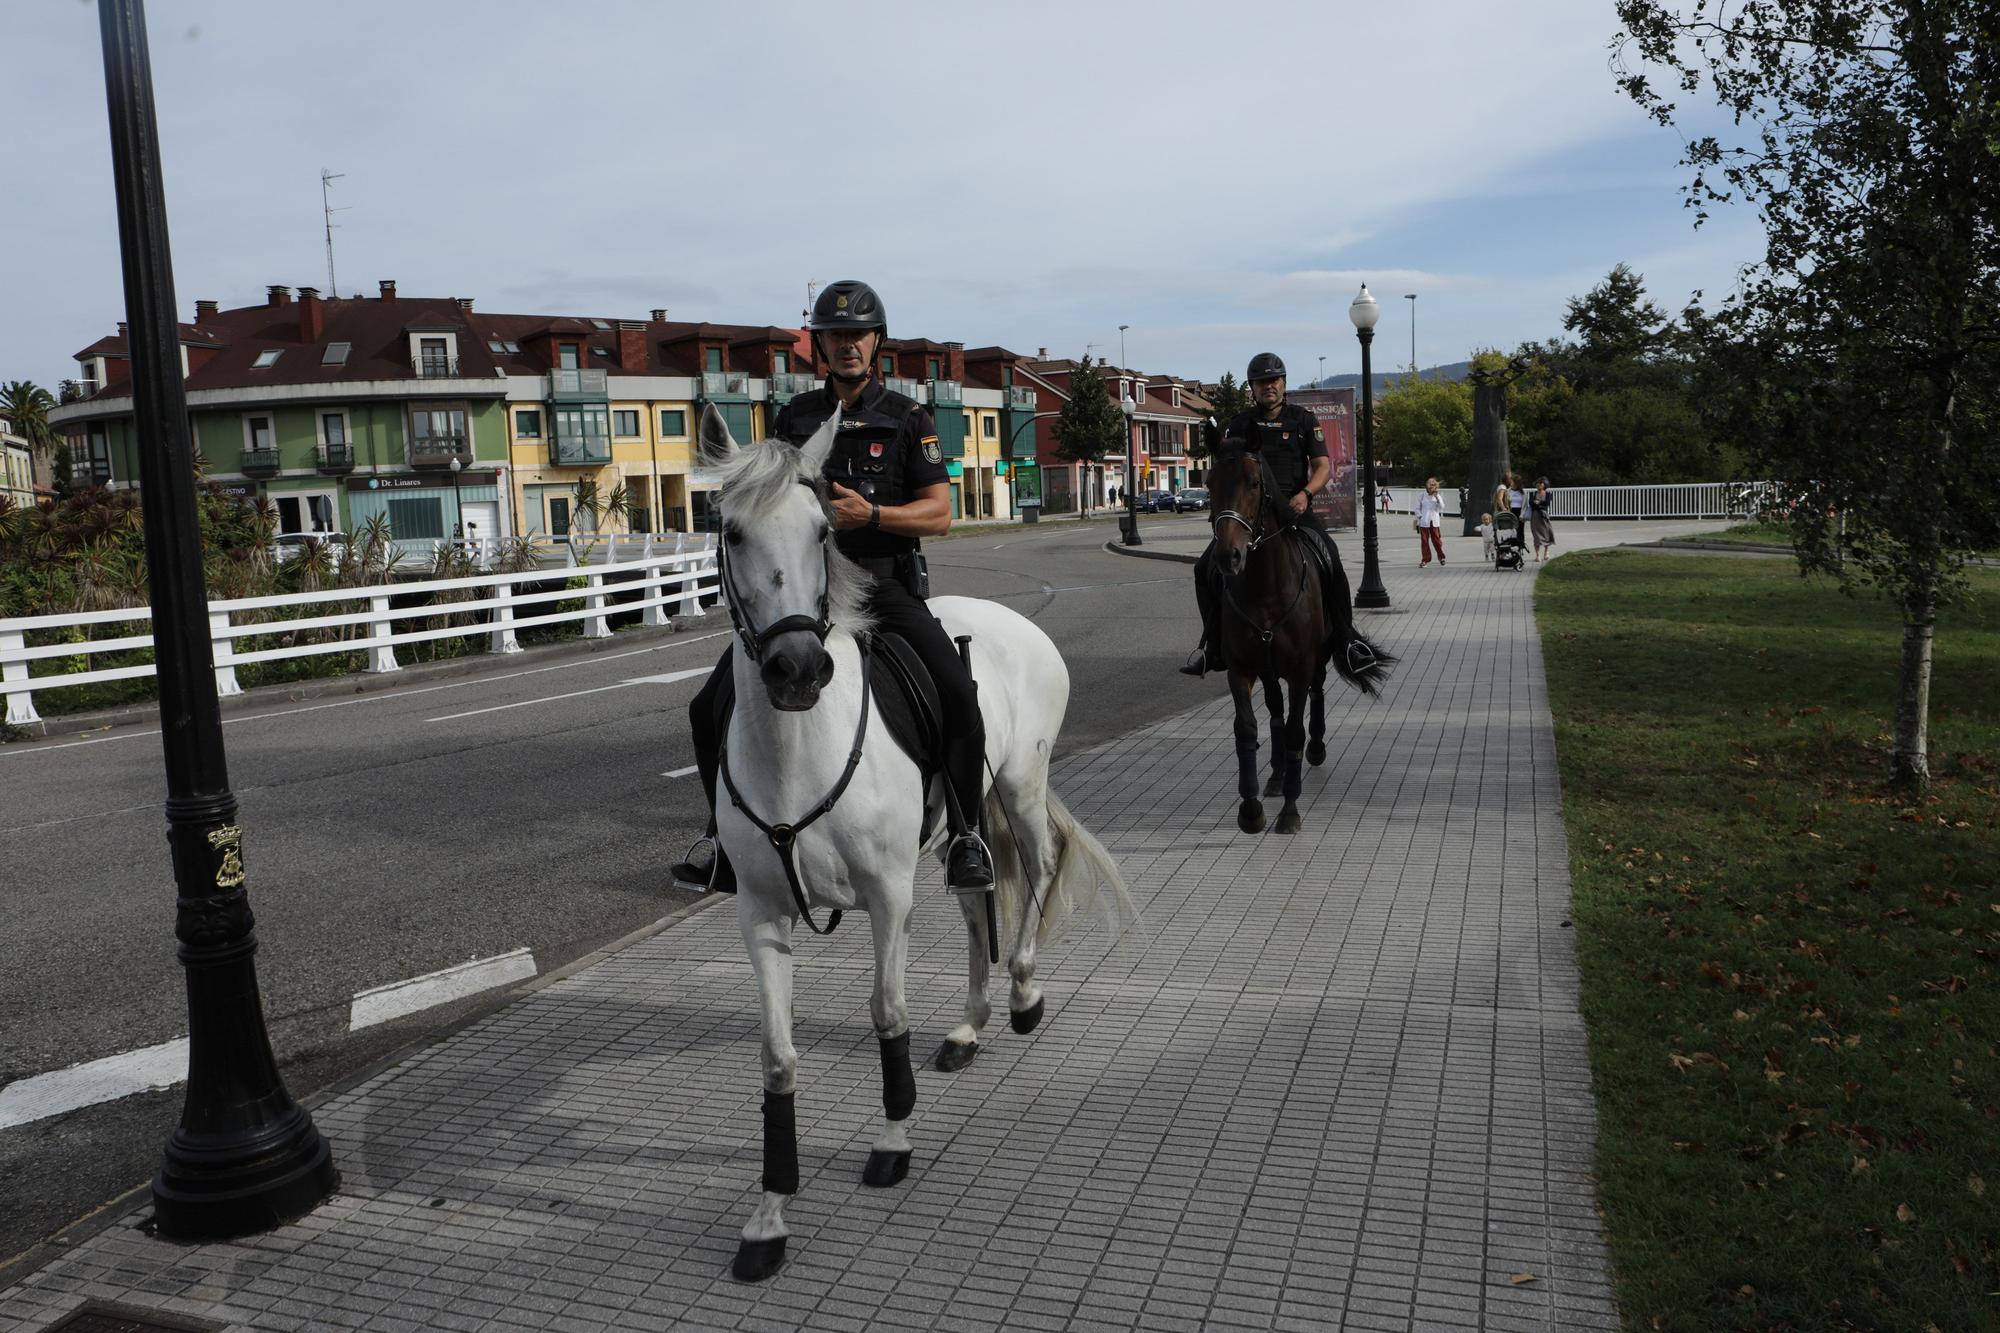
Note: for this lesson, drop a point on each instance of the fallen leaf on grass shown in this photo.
(1905, 1214)
(1520, 1279)
(1861, 1165)
(1692, 1147)
(1976, 1185)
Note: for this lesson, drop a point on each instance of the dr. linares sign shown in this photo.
(405, 482)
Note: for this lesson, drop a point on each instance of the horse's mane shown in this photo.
(756, 479)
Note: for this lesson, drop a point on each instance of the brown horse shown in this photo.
(1283, 620)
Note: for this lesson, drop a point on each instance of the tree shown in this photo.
(1090, 425)
(27, 405)
(1614, 322)
(1425, 428)
(1227, 398)
(1859, 354)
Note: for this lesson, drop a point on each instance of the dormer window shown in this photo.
(495, 345)
(566, 356)
(266, 359)
(336, 354)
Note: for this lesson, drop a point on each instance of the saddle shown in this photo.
(906, 703)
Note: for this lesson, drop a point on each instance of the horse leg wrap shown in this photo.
(781, 1144)
(899, 1085)
(1246, 771)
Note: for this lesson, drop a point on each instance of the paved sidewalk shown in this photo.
(1335, 1080)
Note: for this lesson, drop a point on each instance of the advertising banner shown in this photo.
(1335, 410)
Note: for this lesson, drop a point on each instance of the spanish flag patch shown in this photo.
(931, 453)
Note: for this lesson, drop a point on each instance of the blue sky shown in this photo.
(1219, 177)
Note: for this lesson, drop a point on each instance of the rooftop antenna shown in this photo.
(812, 290)
(326, 180)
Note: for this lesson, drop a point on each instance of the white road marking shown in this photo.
(683, 772)
(666, 679)
(399, 998)
(10, 750)
(27, 1100)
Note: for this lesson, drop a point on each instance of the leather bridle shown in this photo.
(755, 641)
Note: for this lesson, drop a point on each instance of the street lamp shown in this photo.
(1131, 522)
(1320, 383)
(1121, 345)
(457, 510)
(1364, 312)
(1411, 297)
(245, 1156)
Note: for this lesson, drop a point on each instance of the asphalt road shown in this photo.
(397, 832)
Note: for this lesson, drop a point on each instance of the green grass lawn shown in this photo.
(1761, 534)
(1791, 974)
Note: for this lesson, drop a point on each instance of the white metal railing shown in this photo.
(659, 585)
(1692, 499)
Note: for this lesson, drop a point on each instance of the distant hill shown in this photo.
(1457, 370)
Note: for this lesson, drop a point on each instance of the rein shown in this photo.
(1266, 632)
(784, 837)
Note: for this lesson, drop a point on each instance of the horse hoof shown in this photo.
(758, 1259)
(1026, 1020)
(1288, 822)
(1316, 753)
(1250, 817)
(885, 1169)
(956, 1055)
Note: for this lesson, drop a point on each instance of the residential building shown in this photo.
(17, 457)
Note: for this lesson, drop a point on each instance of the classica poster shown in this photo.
(1335, 410)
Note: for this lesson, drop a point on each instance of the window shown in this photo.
(413, 518)
(566, 356)
(528, 424)
(336, 354)
(711, 359)
(989, 427)
(495, 345)
(933, 368)
(437, 430)
(265, 360)
(888, 365)
(558, 516)
(624, 424)
(512, 346)
(333, 429)
(434, 358)
(673, 422)
(257, 434)
(600, 324)
(604, 352)
(781, 363)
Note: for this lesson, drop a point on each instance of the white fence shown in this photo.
(656, 586)
(1740, 500)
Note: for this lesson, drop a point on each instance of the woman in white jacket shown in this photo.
(1430, 522)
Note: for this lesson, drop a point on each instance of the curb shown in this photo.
(1116, 548)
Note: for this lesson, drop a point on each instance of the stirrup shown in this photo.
(690, 872)
(983, 865)
(1196, 664)
(1356, 648)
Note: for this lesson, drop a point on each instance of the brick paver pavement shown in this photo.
(1335, 1080)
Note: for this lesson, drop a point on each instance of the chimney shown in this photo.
(204, 310)
(954, 362)
(631, 345)
(1041, 354)
(312, 315)
(275, 295)
(388, 289)
(122, 330)
(464, 302)
(660, 315)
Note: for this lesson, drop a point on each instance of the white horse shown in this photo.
(821, 811)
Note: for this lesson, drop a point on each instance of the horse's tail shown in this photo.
(1085, 881)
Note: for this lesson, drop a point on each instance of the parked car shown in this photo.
(1158, 502)
(289, 546)
(1191, 497)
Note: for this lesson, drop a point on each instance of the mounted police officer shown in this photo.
(1291, 441)
(888, 488)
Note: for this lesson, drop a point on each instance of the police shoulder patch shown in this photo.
(1319, 435)
(931, 453)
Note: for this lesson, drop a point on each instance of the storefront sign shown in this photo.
(1335, 410)
(406, 481)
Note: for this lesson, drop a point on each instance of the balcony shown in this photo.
(947, 393)
(1020, 400)
(75, 391)
(718, 385)
(335, 459)
(911, 389)
(574, 449)
(437, 367)
(572, 386)
(260, 462)
(786, 387)
(439, 450)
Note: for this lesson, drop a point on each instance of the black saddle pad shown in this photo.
(907, 699)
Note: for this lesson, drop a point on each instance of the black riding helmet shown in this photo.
(849, 305)
(1265, 366)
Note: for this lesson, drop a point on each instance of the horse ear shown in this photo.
(814, 451)
(717, 444)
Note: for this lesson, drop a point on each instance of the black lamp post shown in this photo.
(246, 1156)
(457, 510)
(1371, 594)
(1128, 407)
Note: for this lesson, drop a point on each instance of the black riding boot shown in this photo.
(1208, 655)
(968, 865)
(706, 868)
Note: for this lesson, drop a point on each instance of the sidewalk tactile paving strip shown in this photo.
(1335, 1080)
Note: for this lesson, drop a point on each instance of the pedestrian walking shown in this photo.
(1429, 523)
(1538, 519)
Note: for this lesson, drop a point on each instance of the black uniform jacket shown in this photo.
(1289, 444)
(887, 452)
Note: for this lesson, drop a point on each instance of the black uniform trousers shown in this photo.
(896, 611)
(1204, 575)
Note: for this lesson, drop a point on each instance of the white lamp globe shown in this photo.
(1364, 312)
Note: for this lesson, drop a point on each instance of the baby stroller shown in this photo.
(1510, 542)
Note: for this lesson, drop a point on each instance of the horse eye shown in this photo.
(825, 534)
(732, 536)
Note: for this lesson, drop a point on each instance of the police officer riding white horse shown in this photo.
(889, 489)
